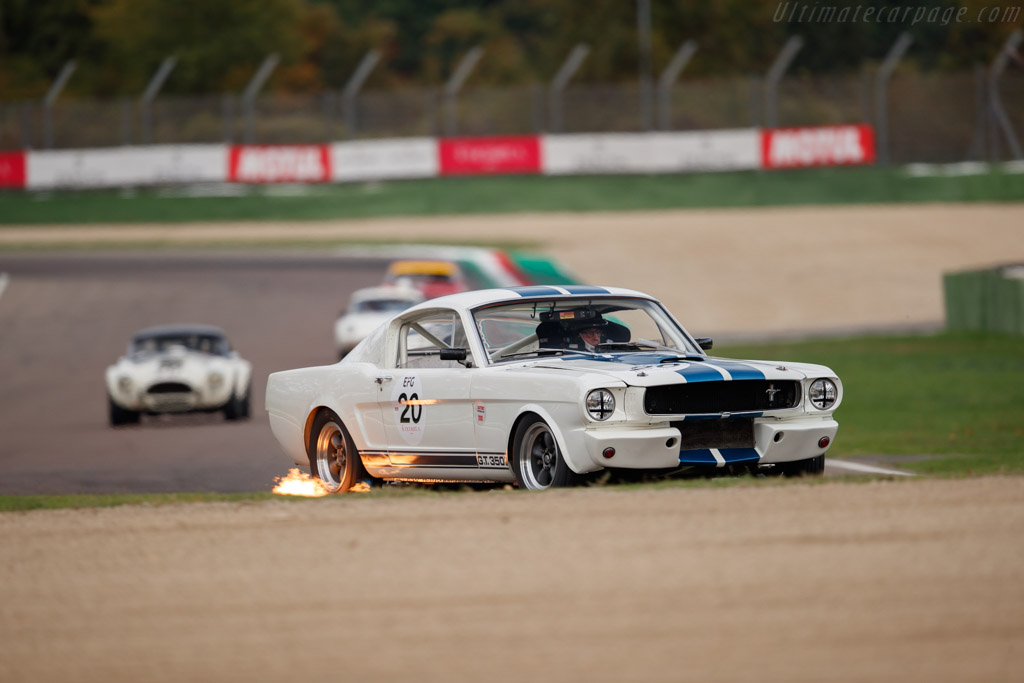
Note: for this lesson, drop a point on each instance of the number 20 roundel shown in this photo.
(408, 412)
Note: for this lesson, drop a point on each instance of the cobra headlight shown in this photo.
(215, 379)
(823, 393)
(124, 383)
(600, 404)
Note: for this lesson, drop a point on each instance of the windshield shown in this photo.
(205, 343)
(522, 329)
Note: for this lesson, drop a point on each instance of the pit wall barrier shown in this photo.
(410, 158)
(990, 300)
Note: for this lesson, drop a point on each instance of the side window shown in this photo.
(422, 340)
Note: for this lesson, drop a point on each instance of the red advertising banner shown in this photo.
(12, 169)
(482, 156)
(817, 146)
(279, 164)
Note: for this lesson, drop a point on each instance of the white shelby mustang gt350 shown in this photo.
(542, 385)
(178, 369)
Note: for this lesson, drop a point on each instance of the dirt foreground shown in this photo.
(897, 581)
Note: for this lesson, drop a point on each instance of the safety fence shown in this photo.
(929, 116)
(428, 157)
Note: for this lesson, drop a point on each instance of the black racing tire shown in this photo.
(811, 467)
(537, 460)
(120, 416)
(237, 407)
(333, 458)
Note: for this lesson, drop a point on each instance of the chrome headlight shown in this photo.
(823, 393)
(124, 383)
(600, 404)
(215, 379)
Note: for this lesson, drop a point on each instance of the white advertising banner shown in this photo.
(382, 159)
(126, 166)
(717, 150)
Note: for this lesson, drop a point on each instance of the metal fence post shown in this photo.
(253, 89)
(893, 58)
(774, 75)
(146, 101)
(643, 30)
(352, 88)
(558, 83)
(454, 84)
(668, 78)
(51, 97)
(1008, 50)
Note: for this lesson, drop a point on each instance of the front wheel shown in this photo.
(333, 458)
(119, 416)
(811, 467)
(536, 458)
(237, 407)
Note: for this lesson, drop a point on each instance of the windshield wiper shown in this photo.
(540, 352)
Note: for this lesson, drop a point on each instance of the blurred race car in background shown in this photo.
(178, 369)
(434, 277)
(542, 386)
(367, 309)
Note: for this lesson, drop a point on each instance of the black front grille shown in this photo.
(734, 433)
(170, 388)
(718, 397)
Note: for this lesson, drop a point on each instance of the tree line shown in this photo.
(219, 44)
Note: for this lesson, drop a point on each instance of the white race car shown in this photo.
(541, 386)
(178, 369)
(367, 309)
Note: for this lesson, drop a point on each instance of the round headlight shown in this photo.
(124, 383)
(600, 404)
(215, 378)
(823, 393)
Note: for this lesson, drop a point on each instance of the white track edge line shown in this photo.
(858, 467)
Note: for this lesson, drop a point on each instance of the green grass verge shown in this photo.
(956, 396)
(513, 194)
(40, 502)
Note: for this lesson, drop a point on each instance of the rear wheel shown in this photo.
(536, 458)
(333, 458)
(119, 416)
(811, 467)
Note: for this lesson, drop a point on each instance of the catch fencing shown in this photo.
(931, 117)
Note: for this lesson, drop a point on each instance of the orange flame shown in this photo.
(298, 483)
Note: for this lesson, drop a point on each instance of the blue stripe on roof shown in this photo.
(584, 289)
(700, 373)
(535, 291)
(738, 370)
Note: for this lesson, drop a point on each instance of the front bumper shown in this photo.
(775, 441)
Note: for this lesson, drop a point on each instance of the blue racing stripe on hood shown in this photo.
(738, 370)
(535, 291)
(700, 373)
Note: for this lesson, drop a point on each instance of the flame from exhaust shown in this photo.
(298, 483)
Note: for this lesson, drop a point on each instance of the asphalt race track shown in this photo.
(67, 316)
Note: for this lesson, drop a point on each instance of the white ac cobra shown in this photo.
(542, 385)
(178, 369)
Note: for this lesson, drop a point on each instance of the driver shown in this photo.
(589, 333)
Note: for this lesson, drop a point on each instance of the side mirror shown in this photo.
(454, 354)
(705, 343)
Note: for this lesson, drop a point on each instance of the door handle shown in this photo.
(383, 378)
